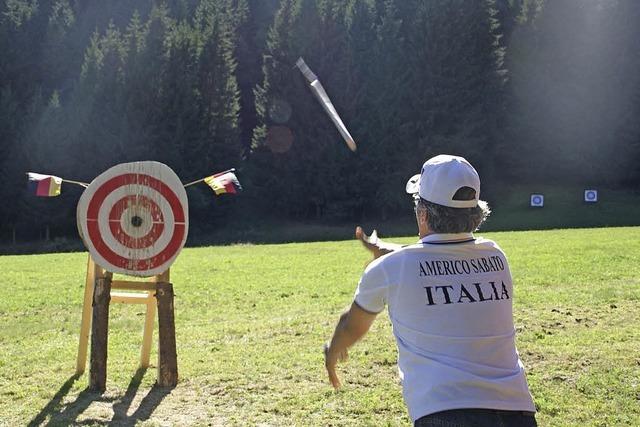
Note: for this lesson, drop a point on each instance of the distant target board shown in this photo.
(537, 200)
(134, 218)
(591, 196)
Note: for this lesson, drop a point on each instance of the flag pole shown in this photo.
(82, 184)
(202, 179)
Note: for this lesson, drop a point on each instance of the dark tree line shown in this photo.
(529, 90)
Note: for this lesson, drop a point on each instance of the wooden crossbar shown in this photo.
(132, 298)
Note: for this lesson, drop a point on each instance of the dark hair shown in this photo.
(443, 219)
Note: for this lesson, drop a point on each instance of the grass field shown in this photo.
(251, 320)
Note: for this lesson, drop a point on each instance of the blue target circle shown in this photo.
(591, 195)
(537, 200)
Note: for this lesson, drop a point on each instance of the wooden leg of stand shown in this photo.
(147, 336)
(85, 321)
(167, 357)
(99, 334)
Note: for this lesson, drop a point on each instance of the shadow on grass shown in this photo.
(66, 414)
(148, 404)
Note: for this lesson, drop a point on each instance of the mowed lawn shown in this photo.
(251, 321)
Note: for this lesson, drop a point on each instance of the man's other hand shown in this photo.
(331, 359)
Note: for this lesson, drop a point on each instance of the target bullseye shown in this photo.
(136, 221)
(133, 218)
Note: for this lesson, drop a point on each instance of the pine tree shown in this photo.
(219, 91)
(457, 78)
(12, 178)
(379, 52)
(251, 41)
(178, 121)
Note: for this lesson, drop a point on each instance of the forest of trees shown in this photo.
(530, 91)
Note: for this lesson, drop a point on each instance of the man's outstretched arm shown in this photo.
(353, 325)
(375, 245)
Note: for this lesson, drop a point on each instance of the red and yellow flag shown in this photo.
(224, 183)
(44, 185)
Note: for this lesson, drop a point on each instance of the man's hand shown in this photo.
(352, 326)
(375, 245)
(331, 359)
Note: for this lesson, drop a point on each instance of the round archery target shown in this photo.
(537, 200)
(590, 196)
(133, 218)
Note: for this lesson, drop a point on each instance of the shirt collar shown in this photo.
(445, 238)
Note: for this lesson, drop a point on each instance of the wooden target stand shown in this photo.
(100, 291)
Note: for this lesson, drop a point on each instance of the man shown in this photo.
(450, 303)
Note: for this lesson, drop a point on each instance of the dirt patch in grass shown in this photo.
(185, 405)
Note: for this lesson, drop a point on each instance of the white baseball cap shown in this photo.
(442, 177)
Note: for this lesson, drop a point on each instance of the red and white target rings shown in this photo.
(134, 218)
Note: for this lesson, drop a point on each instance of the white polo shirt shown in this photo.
(450, 304)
